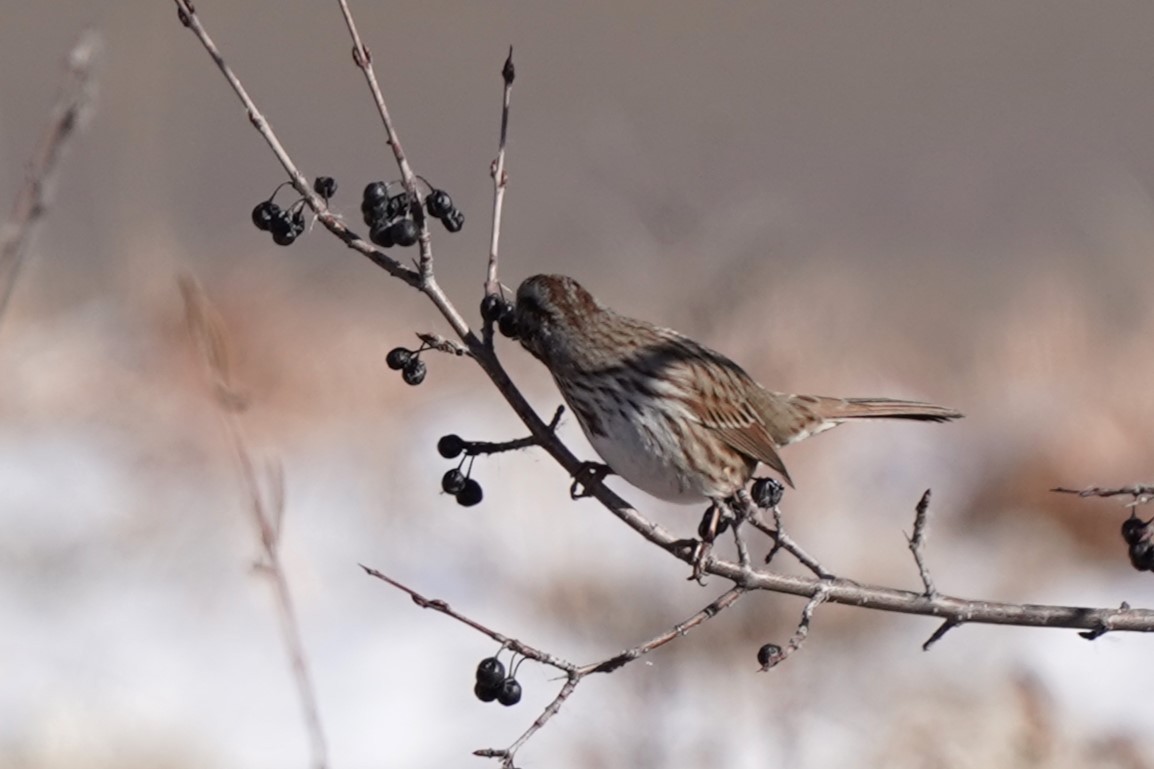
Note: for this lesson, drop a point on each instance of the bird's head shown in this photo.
(552, 315)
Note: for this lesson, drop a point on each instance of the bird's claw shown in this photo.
(587, 474)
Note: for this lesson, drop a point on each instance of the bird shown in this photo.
(672, 417)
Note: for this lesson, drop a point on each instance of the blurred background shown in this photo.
(943, 201)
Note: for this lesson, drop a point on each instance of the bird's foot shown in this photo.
(587, 474)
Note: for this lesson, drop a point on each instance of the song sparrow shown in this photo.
(667, 414)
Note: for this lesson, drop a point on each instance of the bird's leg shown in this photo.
(715, 521)
(587, 474)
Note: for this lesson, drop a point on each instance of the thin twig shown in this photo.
(918, 541)
(331, 222)
(1142, 493)
(801, 633)
(69, 115)
(508, 754)
(479, 448)
(266, 500)
(500, 177)
(739, 542)
(781, 539)
(508, 642)
(573, 673)
(722, 602)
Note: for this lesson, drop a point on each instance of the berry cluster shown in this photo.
(1139, 536)
(287, 224)
(394, 220)
(460, 484)
(492, 683)
(409, 363)
(496, 309)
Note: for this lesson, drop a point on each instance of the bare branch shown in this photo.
(723, 601)
(69, 115)
(507, 754)
(508, 642)
(500, 178)
(266, 500)
(1142, 493)
(331, 222)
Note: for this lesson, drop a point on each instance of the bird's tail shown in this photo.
(839, 409)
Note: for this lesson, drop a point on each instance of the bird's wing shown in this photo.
(719, 395)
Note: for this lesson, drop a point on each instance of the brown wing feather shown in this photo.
(718, 397)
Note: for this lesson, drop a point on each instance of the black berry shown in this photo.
(453, 482)
(510, 692)
(450, 446)
(507, 324)
(490, 672)
(454, 220)
(397, 206)
(284, 229)
(438, 204)
(766, 493)
(382, 234)
(375, 192)
(471, 494)
(264, 214)
(1142, 556)
(1134, 530)
(373, 213)
(492, 308)
(768, 656)
(486, 693)
(325, 186)
(414, 371)
(398, 358)
(404, 232)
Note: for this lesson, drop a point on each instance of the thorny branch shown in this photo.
(822, 587)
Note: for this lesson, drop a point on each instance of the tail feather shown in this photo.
(838, 409)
